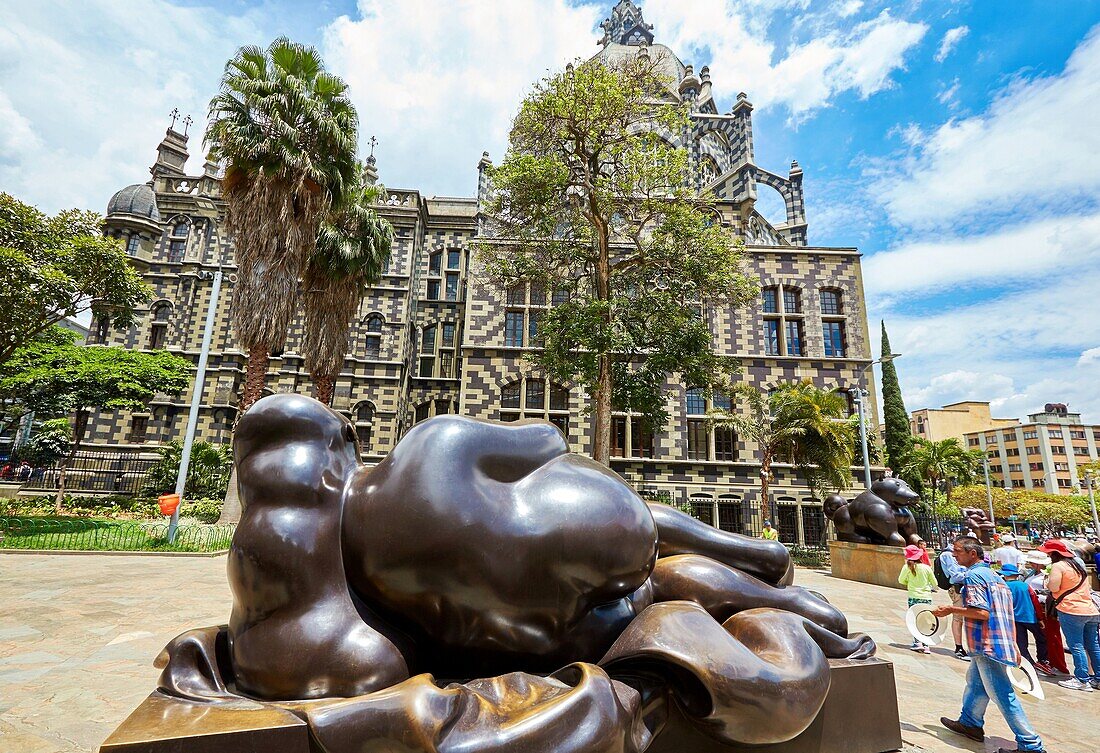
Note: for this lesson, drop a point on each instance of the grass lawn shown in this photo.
(98, 534)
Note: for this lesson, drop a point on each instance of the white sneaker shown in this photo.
(1074, 684)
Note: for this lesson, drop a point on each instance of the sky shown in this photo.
(956, 143)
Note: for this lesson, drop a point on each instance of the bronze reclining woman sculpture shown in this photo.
(483, 589)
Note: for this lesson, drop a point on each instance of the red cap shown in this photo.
(1056, 545)
(913, 552)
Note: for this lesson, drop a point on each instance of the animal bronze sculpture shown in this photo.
(981, 527)
(879, 515)
(482, 575)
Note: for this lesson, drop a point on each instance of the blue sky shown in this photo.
(957, 144)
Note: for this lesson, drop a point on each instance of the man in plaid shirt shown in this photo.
(991, 632)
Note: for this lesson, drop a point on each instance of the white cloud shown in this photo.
(1036, 146)
(951, 40)
(1021, 253)
(849, 8)
(1020, 350)
(949, 93)
(81, 113)
(733, 39)
(438, 83)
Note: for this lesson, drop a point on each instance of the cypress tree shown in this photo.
(899, 439)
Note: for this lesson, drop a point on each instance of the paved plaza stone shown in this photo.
(78, 635)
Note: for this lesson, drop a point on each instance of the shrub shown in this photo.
(203, 510)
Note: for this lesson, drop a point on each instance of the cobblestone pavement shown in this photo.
(78, 635)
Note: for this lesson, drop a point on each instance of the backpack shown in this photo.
(941, 577)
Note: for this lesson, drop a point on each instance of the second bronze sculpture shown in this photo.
(483, 589)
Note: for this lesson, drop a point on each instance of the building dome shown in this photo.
(138, 200)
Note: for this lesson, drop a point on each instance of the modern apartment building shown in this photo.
(1045, 453)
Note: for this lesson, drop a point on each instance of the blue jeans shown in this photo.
(1081, 638)
(987, 679)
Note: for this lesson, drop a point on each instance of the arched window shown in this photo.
(364, 424)
(181, 229)
(158, 331)
(536, 398)
(372, 345)
(702, 508)
(436, 407)
(731, 513)
(831, 302)
(784, 330)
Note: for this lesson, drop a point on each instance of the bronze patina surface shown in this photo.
(879, 515)
(483, 589)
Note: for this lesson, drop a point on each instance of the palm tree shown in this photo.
(824, 450)
(352, 246)
(945, 459)
(759, 422)
(285, 131)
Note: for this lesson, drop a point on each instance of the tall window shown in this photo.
(535, 398)
(364, 424)
(526, 304)
(180, 229)
(784, 331)
(452, 286)
(372, 345)
(139, 427)
(427, 351)
(703, 443)
(630, 432)
(454, 258)
(133, 244)
(175, 251)
(835, 346)
(158, 332)
(832, 323)
(102, 329)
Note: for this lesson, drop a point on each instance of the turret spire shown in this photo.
(626, 26)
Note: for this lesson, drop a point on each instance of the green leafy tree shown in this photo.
(592, 209)
(51, 442)
(753, 418)
(53, 268)
(899, 438)
(207, 471)
(824, 450)
(55, 378)
(352, 246)
(943, 461)
(286, 131)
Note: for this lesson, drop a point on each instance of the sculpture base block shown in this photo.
(162, 724)
(860, 715)
(867, 563)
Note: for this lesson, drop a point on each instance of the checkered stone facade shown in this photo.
(178, 246)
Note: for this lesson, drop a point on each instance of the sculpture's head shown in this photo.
(832, 503)
(894, 492)
(493, 536)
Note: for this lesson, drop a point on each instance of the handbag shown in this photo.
(1051, 606)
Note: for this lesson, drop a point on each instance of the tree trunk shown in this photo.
(79, 426)
(231, 505)
(765, 481)
(255, 375)
(323, 387)
(601, 445)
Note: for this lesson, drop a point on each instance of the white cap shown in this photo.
(1007, 537)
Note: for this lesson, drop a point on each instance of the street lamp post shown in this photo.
(858, 394)
(988, 489)
(196, 397)
(1089, 476)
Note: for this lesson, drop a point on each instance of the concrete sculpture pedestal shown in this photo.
(860, 715)
(866, 563)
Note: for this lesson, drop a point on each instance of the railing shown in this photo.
(107, 535)
(116, 473)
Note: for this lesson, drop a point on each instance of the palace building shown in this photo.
(431, 339)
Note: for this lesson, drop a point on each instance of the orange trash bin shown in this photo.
(168, 503)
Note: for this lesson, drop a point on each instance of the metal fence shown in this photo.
(113, 473)
(108, 535)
